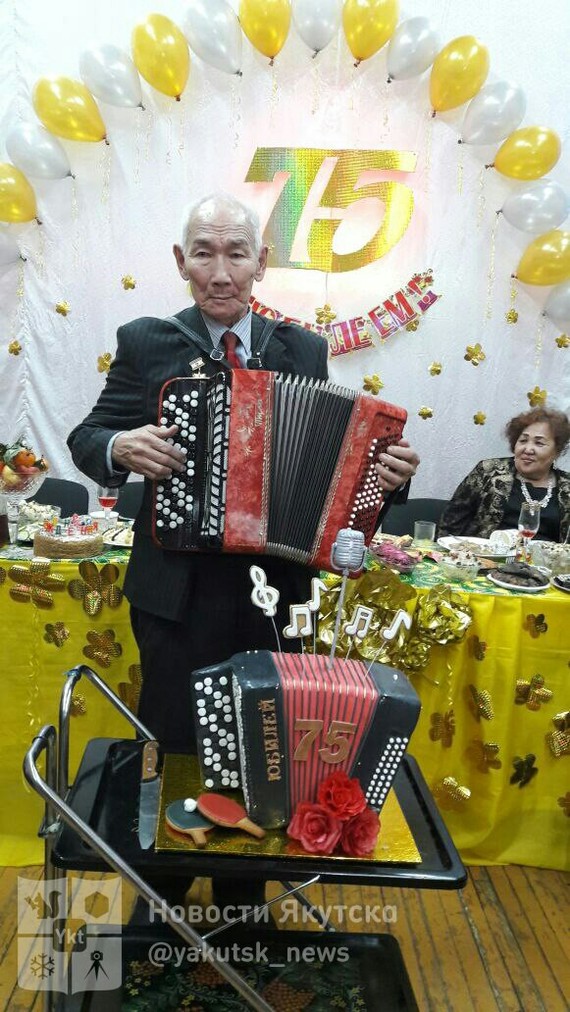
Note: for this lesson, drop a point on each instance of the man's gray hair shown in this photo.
(228, 201)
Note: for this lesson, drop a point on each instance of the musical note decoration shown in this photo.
(301, 621)
(359, 624)
(400, 618)
(263, 596)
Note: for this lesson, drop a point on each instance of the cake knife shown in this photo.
(149, 795)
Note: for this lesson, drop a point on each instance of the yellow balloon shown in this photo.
(67, 109)
(160, 52)
(17, 199)
(458, 73)
(368, 24)
(528, 153)
(266, 24)
(547, 260)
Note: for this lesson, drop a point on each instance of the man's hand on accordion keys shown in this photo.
(150, 450)
(397, 466)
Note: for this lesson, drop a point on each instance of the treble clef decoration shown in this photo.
(263, 596)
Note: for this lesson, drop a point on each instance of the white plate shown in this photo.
(560, 586)
(517, 587)
(100, 515)
(478, 546)
(122, 538)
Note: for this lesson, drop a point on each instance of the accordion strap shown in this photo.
(255, 362)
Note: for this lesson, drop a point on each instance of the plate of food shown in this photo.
(482, 547)
(561, 582)
(120, 536)
(520, 577)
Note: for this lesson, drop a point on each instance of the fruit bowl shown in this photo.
(21, 474)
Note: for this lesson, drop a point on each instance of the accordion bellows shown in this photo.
(274, 465)
(277, 725)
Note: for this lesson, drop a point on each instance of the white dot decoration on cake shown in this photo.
(389, 760)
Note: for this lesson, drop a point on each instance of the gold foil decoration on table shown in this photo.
(480, 703)
(532, 693)
(442, 616)
(181, 779)
(535, 625)
(450, 794)
(564, 803)
(78, 706)
(442, 728)
(96, 587)
(477, 648)
(2, 576)
(525, 769)
(56, 633)
(485, 755)
(558, 740)
(130, 691)
(35, 582)
(102, 647)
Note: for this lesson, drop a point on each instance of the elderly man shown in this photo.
(193, 609)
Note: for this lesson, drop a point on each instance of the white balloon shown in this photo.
(557, 306)
(494, 113)
(317, 21)
(111, 75)
(214, 34)
(36, 152)
(412, 49)
(9, 250)
(537, 207)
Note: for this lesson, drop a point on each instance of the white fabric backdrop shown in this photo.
(121, 216)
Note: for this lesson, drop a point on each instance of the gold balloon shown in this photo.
(368, 24)
(17, 199)
(67, 109)
(547, 260)
(160, 52)
(458, 73)
(528, 153)
(266, 24)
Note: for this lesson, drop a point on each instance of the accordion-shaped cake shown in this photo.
(277, 725)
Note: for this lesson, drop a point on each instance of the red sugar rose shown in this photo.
(359, 834)
(315, 828)
(342, 796)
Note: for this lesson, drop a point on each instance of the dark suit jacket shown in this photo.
(149, 352)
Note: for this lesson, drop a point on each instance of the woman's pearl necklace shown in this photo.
(542, 503)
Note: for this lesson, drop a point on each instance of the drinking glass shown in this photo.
(529, 522)
(107, 499)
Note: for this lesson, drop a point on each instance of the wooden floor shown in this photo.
(502, 943)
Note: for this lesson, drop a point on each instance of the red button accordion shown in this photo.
(274, 465)
(277, 725)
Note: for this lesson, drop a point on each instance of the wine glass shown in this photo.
(529, 522)
(107, 499)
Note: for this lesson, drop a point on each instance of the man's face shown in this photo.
(220, 263)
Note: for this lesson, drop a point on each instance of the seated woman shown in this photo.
(491, 495)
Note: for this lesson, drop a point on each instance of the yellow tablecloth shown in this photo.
(45, 632)
(483, 717)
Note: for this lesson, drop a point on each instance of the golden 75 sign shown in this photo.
(347, 184)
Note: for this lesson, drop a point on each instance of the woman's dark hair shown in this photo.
(557, 422)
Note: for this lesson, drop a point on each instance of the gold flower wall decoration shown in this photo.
(425, 413)
(63, 308)
(325, 314)
(479, 418)
(14, 348)
(563, 341)
(372, 384)
(474, 354)
(128, 282)
(104, 362)
(435, 368)
(511, 316)
(536, 397)
(102, 647)
(412, 325)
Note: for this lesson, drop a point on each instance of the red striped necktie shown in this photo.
(230, 341)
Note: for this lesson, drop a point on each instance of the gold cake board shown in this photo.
(181, 779)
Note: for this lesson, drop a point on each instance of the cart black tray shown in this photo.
(106, 791)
